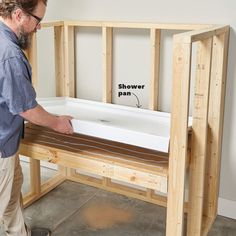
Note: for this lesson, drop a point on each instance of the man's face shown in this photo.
(29, 24)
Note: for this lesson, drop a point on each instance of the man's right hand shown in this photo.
(63, 125)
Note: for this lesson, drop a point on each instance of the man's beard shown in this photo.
(24, 39)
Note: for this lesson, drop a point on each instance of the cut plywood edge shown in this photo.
(135, 126)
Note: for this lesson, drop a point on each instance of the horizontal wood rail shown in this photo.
(202, 34)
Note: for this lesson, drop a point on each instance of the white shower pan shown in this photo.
(130, 125)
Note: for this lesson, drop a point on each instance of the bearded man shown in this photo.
(18, 19)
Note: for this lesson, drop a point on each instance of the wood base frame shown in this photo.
(208, 112)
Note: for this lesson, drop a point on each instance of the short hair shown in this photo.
(8, 6)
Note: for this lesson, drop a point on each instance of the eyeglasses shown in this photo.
(31, 14)
(35, 17)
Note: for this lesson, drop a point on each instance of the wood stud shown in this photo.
(215, 122)
(107, 36)
(199, 137)
(59, 61)
(179, 138)
(155, 36)
(69, 61)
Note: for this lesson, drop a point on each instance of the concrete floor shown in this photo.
(62, 211)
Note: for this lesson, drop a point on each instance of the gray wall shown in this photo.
(130, 68)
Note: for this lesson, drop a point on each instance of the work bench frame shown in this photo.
(204, 158)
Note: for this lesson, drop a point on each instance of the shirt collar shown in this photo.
(7, 32)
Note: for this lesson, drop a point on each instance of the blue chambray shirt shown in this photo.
(16, 92)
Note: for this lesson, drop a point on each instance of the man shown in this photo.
(18, 19)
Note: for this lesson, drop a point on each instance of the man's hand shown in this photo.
(63, 125)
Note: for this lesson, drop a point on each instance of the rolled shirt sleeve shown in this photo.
(17, 91)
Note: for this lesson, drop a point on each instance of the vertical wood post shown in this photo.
(215, 122)
(35, 176)
(199, 138)
(155, 37)
(178, 137)
(64, 60)
(59, 60)
(69, 61)
(107, 36)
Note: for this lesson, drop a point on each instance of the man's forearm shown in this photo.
(41, 117)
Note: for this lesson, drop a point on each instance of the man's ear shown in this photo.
(17, 15)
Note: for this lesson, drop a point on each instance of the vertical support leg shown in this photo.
(179, 138)
(150, 193)
(215, 121)
(155, 36)
(71, 172)
(199, 138)
(106, 181)
(62, 170)
(107, 36)
(35, 176)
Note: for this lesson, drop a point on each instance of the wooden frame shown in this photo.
(198, 152)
